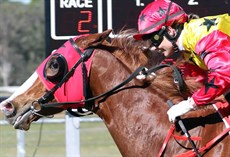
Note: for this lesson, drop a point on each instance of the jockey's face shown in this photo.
(166, 47)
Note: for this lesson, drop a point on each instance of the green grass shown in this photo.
(95, 141)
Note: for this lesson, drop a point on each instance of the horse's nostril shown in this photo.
(7, 108)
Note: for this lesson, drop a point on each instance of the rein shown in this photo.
(113, 90)
(176, 74)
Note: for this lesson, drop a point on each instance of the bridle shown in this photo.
(49, 95)
(44, 101)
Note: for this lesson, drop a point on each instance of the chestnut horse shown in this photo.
(135, 113)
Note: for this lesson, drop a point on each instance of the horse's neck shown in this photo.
(136, 118)
(133, 116)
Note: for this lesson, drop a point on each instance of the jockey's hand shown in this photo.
(144, 77)
(180, 109)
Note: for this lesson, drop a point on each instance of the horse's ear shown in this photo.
(93, 39)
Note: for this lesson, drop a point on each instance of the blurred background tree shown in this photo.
(22, 40)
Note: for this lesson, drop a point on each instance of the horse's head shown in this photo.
(46, 83)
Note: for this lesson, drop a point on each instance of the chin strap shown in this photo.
(171, 38)
(175, 47)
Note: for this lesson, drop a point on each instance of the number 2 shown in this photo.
(81, 22)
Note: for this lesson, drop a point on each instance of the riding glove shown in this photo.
(180, 109)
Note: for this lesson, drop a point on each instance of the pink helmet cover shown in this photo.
(153, 16)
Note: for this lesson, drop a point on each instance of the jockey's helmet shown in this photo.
(157, 15)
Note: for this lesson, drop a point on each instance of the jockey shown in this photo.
(204, 41)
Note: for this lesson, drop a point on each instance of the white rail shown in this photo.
(8, 89)
(72, 130)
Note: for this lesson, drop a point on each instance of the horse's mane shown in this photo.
(135, 53)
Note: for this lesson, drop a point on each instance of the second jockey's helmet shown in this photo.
(158, 14)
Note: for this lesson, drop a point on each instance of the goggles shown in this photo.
(157, 37)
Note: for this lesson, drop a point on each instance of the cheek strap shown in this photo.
(175, 37)
(175, 47)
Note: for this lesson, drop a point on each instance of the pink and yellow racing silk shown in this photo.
(207, 41)
(72, 90)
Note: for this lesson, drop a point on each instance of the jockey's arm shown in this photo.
(215, 49)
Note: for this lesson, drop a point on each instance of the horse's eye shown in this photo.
(55, 68)
(54, 65)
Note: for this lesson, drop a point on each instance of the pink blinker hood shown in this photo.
(72, 90)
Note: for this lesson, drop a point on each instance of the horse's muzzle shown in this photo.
(7, 108)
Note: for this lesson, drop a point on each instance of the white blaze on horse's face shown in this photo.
(23, 88)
